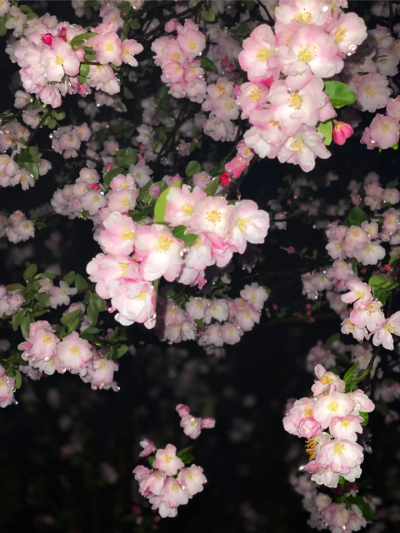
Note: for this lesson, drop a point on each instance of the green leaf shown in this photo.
(205, 62)
(137, 216)
(69, 278)
(365, 417)
(25, 323)
(14, 287)
(58, 115)
(192, 168)
(17, 320)
(200, 323)
(209, 15)
(43, 300)
(393, 258)
(159, 208)
(350, 374)
(179, 233)
(126, 157)
(392, 184)
(16, 374)
(339, 94)
(84, 69)
(40, 225)
(69, 318)
(48, 275)
(326, 129)
(111, 175)
(377, 281)
(81, 38)
(356, 217)
(3, 29)
(187, 458)
(30, 271)
(395, 146)
(80, 282)
(124, 7)
(342, 481)
(32, 168)
(212, 188)
(134, 24)
(151, 460)
(95, 306)
(122, 350)
(331, 340)
(128, 94)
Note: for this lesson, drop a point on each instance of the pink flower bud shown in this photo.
(341, 132)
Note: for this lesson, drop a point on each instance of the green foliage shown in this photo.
(326, 129)
(84, 69)
(356, 217)
(353, 377)
(205, 62)
(212, 188)
(128, 94)
(16, 374)
(78, 40)
(339, 94)
(96, 305)
(72, 320)
(382, 287)
(365, 416)
(80, 282)
(192, 168)
(69, 278)
(179, 233)
(209, 15)
(3, 29)
(30, 271)
(159, 208)
(127, 157)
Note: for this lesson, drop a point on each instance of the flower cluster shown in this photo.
(55, 57)
(7, 389)
(10, 301)
(309, 44)
(19, 228)
(326, 513)
(366, 317)
(219, 229)
(168, 483)
(335, 453)
(67, 140)
(177, 57)
(45, 352)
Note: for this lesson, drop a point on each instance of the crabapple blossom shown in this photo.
(167, 461)
(191, 425)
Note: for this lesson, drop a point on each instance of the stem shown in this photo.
(42, 120)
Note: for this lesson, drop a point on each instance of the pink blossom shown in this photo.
(7, 388)
(108, 48)
(348, 32)
(60, 59)
(384, 335)
(73, 352)
(371, 90)
(167, 461)
(148, 447)
(119, 236)
(159, 252)
(135, 301)
(255, 295)
(360, 293)
(301, 410)
(130, 48)
(213, 215)
(303, 148)
(192, 425)
(181, 203)
(346, 428)
(258, 56)
(384, 131)
(325, 381)
(369, 316)
(341, 132)
(192, 479)
(61, 295)
(340, 455)
(329, 406)
(174, 493)
(249, 225)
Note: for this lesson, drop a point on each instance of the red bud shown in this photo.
(47, 38)
(224, 179)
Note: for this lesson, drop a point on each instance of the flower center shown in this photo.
(389, 328)
(325, 380)
(370, 92)
(263, 54)
(163, 244)
(242, 224)
(345, 423)
(333, 406)
(303, 16)
(384, 127)
(141, 296)
(176, 56)
(297, 145)
(295, 100)
(340, 35)
(46, 340)
(213, 216)
(306, 54)
(75, 350)
(127, 235)
(308, 412)
(255, 94)
(338, 449)
(58, 60)
(109, 47)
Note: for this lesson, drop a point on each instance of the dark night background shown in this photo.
(53, 443)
